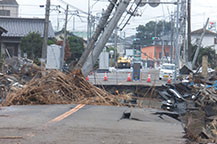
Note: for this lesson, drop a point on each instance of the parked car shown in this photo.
(167, 70)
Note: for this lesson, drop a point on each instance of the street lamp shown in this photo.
(111, 52)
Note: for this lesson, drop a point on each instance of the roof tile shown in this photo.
(19, 27)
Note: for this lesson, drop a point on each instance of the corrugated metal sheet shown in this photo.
(8, 2)
(20, 27)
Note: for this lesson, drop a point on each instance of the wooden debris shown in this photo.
(59, 88)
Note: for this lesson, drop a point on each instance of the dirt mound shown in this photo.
(56, 87)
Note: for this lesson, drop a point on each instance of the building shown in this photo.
(17, 28)
(209, 39)
(2, 31)
(8, 8)
(151, 55)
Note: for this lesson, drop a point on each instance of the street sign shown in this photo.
(137, 54)
(136, 71)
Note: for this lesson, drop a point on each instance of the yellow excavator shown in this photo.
(123, 63)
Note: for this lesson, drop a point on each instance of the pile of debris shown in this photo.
(15, 73)
(24, 68)
(201, 123)
(195, 103)
(56, 87)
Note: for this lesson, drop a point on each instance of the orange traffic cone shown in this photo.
(129, 77)
(105, 77)
(87, 78)
(169, 79)
(149, 78)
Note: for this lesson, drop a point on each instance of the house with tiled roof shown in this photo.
(2, 30)
(17, 28)
(8, 8)
(209, 40)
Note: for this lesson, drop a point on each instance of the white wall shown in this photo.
(207, 40)
(53, 57)
(13, 10)
(104, 60)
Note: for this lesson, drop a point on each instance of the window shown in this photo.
(169, 67)
(4, 13)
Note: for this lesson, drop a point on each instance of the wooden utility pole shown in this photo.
(199, 44)
(189, 48)
(46, 25)
(65, 37)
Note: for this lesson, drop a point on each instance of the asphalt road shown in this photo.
(120, 76)
(79, 124)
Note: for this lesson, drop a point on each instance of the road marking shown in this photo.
(66, 114)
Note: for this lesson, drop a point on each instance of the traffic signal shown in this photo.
(155, 38)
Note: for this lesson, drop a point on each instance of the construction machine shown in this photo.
(123, 63)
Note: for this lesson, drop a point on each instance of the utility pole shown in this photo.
(88, 23)
(97, 33)
(172, 39)
(189, 48)
(73, 23)
(91, 60)
(177, 41)
(65, 37)
(163, 45)
(46, 24)
(116, 43)
(199, 44)
(183, 21)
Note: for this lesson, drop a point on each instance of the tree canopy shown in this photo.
(76, 47)
(210, 52)
(32, 45)
(146, 32)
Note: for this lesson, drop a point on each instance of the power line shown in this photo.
(131, 14)
(73, 7)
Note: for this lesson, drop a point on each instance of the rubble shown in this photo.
(56, 87)
(201, 124)
(196, 104)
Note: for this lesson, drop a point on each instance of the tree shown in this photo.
(152, 29)
(210, 52)
(32, 45)
(76, 47)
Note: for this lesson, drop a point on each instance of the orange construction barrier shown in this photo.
(149, 78)
(105, 77)
(169, 79)
(129, 77)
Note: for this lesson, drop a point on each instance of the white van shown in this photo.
(166, 70)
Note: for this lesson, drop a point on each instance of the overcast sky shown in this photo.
(201, 10)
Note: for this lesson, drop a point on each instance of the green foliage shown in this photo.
(51, 41)
(210, 52)
(32, 45)
(151, 29)
(108, 49)
(76, 47)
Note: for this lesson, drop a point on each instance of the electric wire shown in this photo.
(131, 15)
